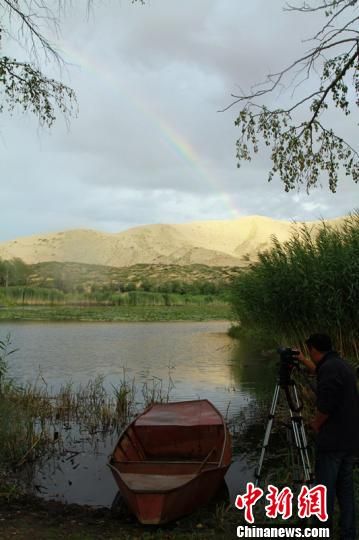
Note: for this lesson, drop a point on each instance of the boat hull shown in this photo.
(171, 460)
(162, 507)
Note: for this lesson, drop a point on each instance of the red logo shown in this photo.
(310, 501)
(313, 502)
(280, 502)
(248, 500)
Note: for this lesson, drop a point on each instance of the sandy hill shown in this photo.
(214, 243)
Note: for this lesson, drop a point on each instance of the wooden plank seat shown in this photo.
(168, 468)
(154, 482)
(164, 462)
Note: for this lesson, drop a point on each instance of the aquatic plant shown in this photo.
(5, 352)
(308, 284)
(33, 419)
(125, 397)
(153, 390)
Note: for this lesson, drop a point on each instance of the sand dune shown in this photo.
(214, 243)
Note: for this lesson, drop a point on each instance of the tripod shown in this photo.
(287, 384)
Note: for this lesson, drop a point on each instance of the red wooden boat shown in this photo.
(171, 459)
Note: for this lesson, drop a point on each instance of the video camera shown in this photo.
(288, 361)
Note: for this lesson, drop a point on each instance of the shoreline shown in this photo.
(28, 516)
(186, 313)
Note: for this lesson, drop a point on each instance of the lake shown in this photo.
(198, 359)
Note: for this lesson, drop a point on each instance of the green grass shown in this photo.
(188, 312)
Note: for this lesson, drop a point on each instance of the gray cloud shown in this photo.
(149, 144)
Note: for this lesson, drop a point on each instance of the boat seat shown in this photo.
(154, 482)
(164, 462)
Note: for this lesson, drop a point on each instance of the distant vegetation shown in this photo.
(308, 284)
(13, 272)
(81, 285)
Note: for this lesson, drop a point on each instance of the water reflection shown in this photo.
(203, 362)
(253, 371)
(199, 357)
(78, 473)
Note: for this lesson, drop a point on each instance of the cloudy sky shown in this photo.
(148, 144)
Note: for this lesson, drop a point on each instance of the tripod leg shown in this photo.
(300, 436)
(267, 433)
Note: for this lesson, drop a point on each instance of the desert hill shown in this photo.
(213, 243)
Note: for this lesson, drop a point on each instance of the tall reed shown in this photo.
(307, 284)
(33, 418)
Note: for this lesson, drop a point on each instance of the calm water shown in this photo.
(203, 363)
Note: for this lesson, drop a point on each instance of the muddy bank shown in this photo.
(24, 517)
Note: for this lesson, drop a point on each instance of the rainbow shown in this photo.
(171, 136)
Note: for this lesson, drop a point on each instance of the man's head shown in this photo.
(318, 345)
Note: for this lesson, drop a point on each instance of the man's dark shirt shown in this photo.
(337, 396)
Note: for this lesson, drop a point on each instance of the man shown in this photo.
(336, 424)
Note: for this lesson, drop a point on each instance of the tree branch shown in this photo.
(27, 20)
(276, 78)
(303, 150)
(330, 86)
(308, 8)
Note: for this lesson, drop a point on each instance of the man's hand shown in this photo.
(306, 362)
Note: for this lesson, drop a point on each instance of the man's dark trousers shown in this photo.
(335, 471)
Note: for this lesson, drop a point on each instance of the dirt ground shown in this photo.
(28, 518)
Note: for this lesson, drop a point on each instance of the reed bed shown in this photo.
(33, 418)
(308, 284)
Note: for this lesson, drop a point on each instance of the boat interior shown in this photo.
(162, 458)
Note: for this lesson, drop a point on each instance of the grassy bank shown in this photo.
(82, 292)
(13, 296)
(308, 284)
(187, 312)
(142, 284)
